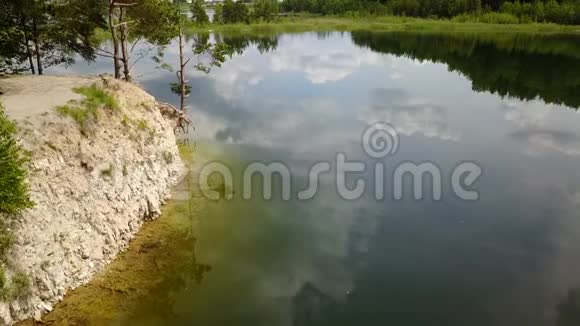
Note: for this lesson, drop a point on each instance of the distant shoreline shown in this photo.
(303, 23)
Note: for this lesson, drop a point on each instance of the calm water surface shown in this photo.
(506, 102)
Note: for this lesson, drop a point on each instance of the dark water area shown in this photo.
(506, 102)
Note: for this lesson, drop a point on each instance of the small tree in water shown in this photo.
(205, 55)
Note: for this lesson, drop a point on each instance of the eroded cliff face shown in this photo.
(92, 191)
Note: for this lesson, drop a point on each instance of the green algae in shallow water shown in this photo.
(158, 263)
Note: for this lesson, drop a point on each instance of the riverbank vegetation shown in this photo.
(393, 15)
(309, 23)
(13, 188)
(13, 199)
(486, 11)
(36, 34)
(566, 12)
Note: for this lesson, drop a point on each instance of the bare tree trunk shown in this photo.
(114, 39)
(36, 46)
(126, 68)
(182, 87)
(124, 51)
(26, 40)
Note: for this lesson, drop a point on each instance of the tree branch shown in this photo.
(104, 51)
(105, 55)
(124, 4)
(135, 43)
(135, 62)
(124, 23)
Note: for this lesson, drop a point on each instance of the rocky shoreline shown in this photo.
(92, 192)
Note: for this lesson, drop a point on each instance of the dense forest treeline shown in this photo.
(35, 34)
(489, 11)
(525, 66)
(486, 11)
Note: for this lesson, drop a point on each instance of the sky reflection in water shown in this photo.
(507, 259)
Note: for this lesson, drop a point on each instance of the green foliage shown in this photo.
(218, 14)
(488, 18)
(6, 239)
(175, 88)
(96, 96)
(35, 33)
(564, 12)
(155, 20)
(82, 115)
(86, 111)
(20, 285)
(498, 18)
(538, 11)
(232, 13)
(206, 55)
(13, 188)
(265, 10)
(76, 25)
(4, 289)
(217, 52)
(198, 14)
(12, 55)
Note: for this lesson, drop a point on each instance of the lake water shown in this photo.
(505, 102)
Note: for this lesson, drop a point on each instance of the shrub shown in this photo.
(82, 115)
(96, 97)
(13, 187)
(6, 239)
(464, 18)
(265, 10)
(20, 285)
(567, 12)
(498, 18)
(231, 12)
(556, 11)
(218, 14)
(4, 290)
(198, 14)
(538, 11)
(87, 110)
